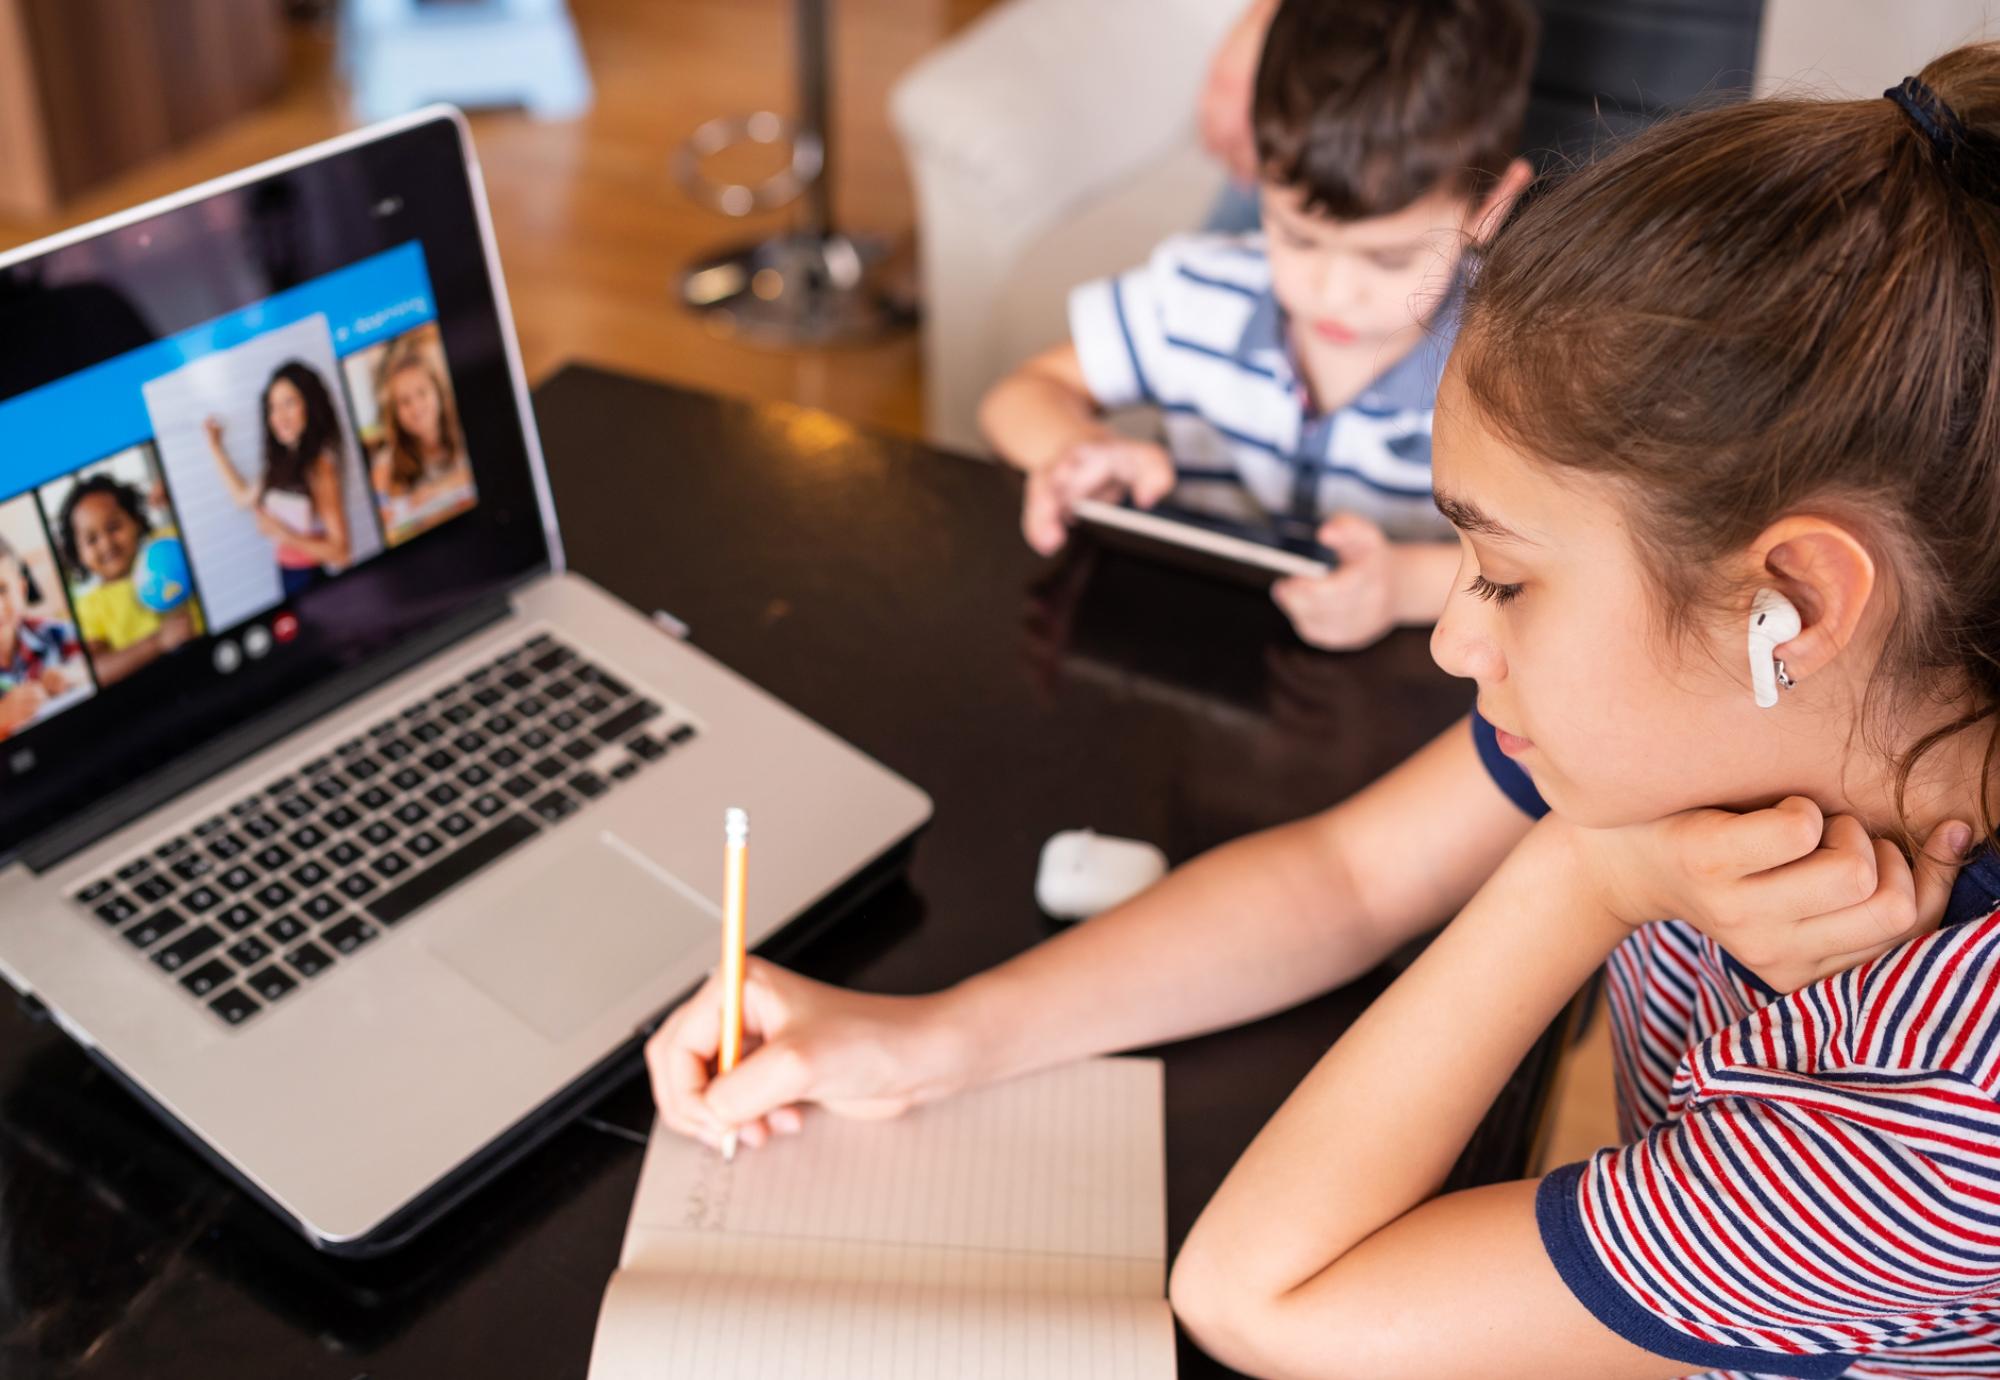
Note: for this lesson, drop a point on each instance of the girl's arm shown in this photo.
(1255, 926)
(323, 482)
(174, 631)
(241, 493)
(1320, 1255)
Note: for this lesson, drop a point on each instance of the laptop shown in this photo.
(352, 832)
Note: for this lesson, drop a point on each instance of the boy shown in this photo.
(1296, 369)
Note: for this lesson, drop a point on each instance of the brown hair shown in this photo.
(1777, 307)
(1367, 105)
(406, 465)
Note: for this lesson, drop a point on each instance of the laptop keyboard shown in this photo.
(298, 877)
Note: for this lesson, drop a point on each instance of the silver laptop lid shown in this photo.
(257, 441)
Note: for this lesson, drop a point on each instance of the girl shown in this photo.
(421, 460)
(296, 500)
(32, 650)
(102, 525)
(1752, 350)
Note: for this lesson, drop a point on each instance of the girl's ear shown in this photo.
(1492, 210)
(1829, 575)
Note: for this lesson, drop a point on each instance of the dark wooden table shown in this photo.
(882, 588)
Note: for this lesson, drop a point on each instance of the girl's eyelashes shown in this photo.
(1483, 588)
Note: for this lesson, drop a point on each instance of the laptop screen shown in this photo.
(247, 444)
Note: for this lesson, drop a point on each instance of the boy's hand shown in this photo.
(1356, 604)
(1792, 895)
(20, 705)
(1103, 469)
(176, 630)
(1225, 95)
(855, 1054)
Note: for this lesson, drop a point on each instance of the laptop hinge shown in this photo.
(118, 809)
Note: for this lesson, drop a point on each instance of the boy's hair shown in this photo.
(123, 494)
(1776, 307)
(1366, 106)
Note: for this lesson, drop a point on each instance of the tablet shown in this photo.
(1251, 553)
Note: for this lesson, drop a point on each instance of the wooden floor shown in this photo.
(592, 229)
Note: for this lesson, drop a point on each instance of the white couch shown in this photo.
(1050, 142)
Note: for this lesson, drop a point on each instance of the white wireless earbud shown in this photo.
(1773, 622)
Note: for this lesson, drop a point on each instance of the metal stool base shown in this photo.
(797, 290)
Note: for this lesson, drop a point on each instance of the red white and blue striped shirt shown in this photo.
(1810, 1184)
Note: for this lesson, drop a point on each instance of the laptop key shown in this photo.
(330, 787)
(248, 950)
(550, 768)
(392, 907)
(153, 888)
(90, 894)
(500, 725)
(349, 935)
(475, 776)
(412, 812)
(202, 898)
(529, 707)
(238, 917)
(235, 1006)
(440, 760)
(504, 758)
(534, 740)
(307, 837)
(423, 843)
(361, 768)
(376, 797)
(392, 864)
(225, 847)
(442, 794)
(517, 680)
(520, 787)
(488, 697)
(310, 959)
(134, 869)
(408, 779)
(427, 732)
(187, 948)
(395, 750)
(238, 877)
(604, 681)
(565, 722)
(310, 874)
(261, 827)
(274, 857)
(295, 807)
(172, 848)
(592, 704)
(154, 928)
(341, 817)
(207, 977)
(275, 894)
(192, 867)
(274, 984)
(213, 825)
(344, 854)
(624, 721)
(588, 784)
(116, 911)
(559, 690)
(580, 749)
(321, 907)
(625, 770)
(488, 805)
(456, 824)
(459, 715)
(379, 833)
(357, 885)
(555, 807)
(681, 734)
(647, 748)
(285, 929)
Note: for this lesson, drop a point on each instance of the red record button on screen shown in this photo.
(285, 627)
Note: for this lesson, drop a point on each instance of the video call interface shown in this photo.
(183, 500)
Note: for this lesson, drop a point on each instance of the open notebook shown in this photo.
(1016, 1231)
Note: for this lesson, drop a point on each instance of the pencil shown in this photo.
(735, 864)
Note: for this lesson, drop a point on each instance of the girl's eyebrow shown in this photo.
(1467, 516)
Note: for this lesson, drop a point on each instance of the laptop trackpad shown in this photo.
(596, 923)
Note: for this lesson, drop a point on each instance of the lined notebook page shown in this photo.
(1019, 1230)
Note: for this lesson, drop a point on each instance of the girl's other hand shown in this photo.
(213, 426)
(1793, 895)
(1106, 470)
(855, 1054)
